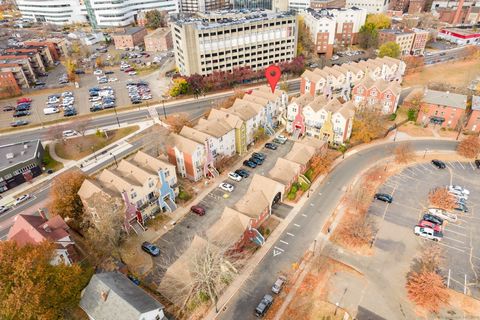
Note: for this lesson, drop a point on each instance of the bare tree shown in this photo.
(404, 153)
(200, 273)
(177, 121)
(442, 199)
(81, 125)
(469, 147)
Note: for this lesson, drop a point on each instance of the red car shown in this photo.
(23, 100)
(431, 225)
(198, 210)
(129, 69)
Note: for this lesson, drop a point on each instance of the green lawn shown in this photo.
(49, 162)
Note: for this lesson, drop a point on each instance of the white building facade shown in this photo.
(99, 13)
(371, 6)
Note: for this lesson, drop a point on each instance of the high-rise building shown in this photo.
(99, 13)
(298, 5)
(372, 6)
(404, 39)
(225, 41)
(203, 5)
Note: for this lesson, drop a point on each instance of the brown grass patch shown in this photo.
(415, 131)
(459, 73)
(80, 147)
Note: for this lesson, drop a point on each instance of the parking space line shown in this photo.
(279, 249)
(296, 225)
(411, 171)
(462, 234)
(285, 242)
(463, 242)
(456, 225)
(446, 245)
(304, 215)
(471, 165)
(461, 165)
(290, 234)
(417, 169)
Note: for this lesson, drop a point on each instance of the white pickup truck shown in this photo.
(428, 233)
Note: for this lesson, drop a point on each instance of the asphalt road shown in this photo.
(195, 109)
(301, 232)
(445, 55)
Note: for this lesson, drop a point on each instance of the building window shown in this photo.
(133, 195)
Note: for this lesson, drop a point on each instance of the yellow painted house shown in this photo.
(235, 122)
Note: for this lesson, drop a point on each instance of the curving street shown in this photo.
(306, 225)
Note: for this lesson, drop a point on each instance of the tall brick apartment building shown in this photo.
(334, 27)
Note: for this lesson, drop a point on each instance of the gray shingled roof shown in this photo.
(476, 103)
(448, 99)
(112, 295)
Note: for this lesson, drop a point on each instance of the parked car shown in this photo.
(234, 176)
(8, 108)
(461, 207)
(22, 100)
(257, 161)
(280, 139)
(477, 163)
(109, 72)
(442, 214)
(264, 305)
(96, 108)
(432, 218)
(70, 112)
(458, 189)
(69, 133)
(97, 72)
(134, 280)
(383, 197)
(198, 210)
(439, 164)
(226, 187)
(277, 286)
(428, 233)
(132, 73)
(249, 164)
(22, 113)
(458, 194)
(271, 146)
(21, 199)
(4, 209)
(150, 248)
(79, 72)
(259, 155)
(19, 123)
(431, 225)
(242, 173)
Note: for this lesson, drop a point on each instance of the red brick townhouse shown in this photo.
(380, 94)
(473, 123)
(442, 108)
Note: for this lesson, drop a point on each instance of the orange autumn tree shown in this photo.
(469, 147)
(442, 199)
(32, 288)
(65, 200)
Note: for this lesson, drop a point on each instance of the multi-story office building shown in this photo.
(323, 4)
(99, 13)
(329, 27)
(298, 5)
(203, 5)
(402, 38)
(372, 6)
(225, 41)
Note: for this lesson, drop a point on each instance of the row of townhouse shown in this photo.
(225, 132)
(449, 110)
(140, 186)
(380, 94)
(334, 80)
(322, 118)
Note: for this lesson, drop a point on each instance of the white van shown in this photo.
(51, 110)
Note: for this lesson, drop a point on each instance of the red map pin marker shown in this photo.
(273, 74)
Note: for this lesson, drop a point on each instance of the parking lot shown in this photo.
(174, 242)
(461, 242)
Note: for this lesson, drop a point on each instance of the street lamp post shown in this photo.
(424, 155)
(114, 159)
(116, 115)
(94, 155)
(163, 105)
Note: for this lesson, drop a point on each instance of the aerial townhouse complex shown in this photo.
(228, 40)
(331, 28)
(195, 151)
(99, 13)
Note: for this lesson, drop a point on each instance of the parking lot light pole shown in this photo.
(94, 154)
(114, 159)
(163, 105)
(116, 115)
(425, 154)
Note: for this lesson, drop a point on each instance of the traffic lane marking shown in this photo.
(284, 242)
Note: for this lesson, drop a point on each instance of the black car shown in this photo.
(109, 72)
(70, 113)
(383, 197)
(79, 72)
(8, 108)
(477, 163)
(22, 108)
(433, 219)
(24, 105)
(259, 155)
(271, 146)
(40, 83)
(439, 164)
(150, 248)
(42, 74)
(264, 305)
(21, 113)
(136, 101)
(256, 160)
(249, 164)
(96, 108)
(19, 123)
(242, 173)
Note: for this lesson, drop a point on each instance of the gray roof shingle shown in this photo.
(447, 99)
(112, 295)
